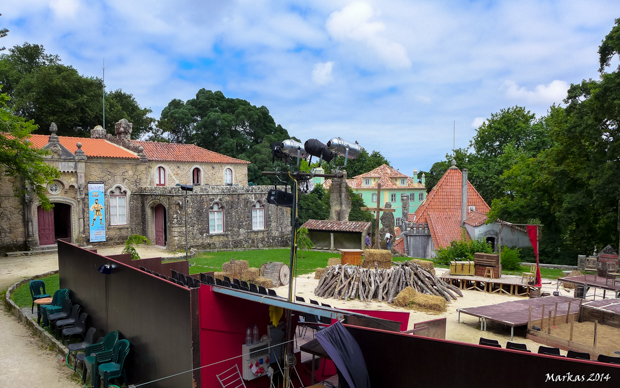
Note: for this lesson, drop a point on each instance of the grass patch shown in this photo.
(22, 297)
(545, 273)
(212, 261)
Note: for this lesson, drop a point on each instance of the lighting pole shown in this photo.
(186, 188)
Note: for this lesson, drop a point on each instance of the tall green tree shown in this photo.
(45, 91)
(19, 160)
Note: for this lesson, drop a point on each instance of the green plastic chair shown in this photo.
(115, 369)
(56, 306)
(97, 354)
(35, 291)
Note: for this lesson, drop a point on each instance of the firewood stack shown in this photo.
(352, 282)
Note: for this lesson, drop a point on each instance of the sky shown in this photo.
(394, 75)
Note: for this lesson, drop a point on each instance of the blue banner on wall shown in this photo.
(96, 206)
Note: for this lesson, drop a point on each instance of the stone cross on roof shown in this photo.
(378, 211)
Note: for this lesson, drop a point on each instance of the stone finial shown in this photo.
(97, 133)
(123, 129)
(141, 154)
(79, 153)
(53, 135)
(453, 163)
(53, 128)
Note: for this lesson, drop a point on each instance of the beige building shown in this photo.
(141, 196)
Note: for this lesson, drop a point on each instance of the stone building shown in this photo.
(142, 195)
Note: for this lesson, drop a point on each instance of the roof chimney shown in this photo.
(464, 198)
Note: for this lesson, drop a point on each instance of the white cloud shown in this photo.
(322, 73)
(64, 8)
(554, 92)
(478, 121)
(353, 24)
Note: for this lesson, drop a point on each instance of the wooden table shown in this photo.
(351, 256)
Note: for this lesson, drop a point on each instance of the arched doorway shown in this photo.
(54, 224)
(491, 242)
(160, 225)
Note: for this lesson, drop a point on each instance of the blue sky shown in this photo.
(393, 75)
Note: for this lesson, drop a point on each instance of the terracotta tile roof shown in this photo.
(399, 246)
(476, 219)
(100, 148)
(175, 152)
(442, 208)
(336, 226)
(397, 231)
(385, 174)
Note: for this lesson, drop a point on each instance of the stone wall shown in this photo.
(211, 173)
(12, 235)
(236, 202)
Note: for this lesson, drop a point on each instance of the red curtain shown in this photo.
(532, 232)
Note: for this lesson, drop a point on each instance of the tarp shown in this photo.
(346, 354)
(532, 232)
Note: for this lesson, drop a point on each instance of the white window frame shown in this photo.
(366, 181)
(421, 197)
(114, 193)
(403, 181)
(374, 197)
(258, 216)
(226, 178)
(199, 175)
(392, 197)
(216, 213)
(159, 172)
(412, 197)
(472, 208)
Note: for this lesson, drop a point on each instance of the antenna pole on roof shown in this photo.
(104, 94)
(454, 139)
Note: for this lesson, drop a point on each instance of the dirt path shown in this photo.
(24, 362)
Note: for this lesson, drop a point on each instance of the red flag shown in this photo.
(532, 232)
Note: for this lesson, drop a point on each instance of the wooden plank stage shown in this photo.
(506, 285)
(593, 281)
(520, 312)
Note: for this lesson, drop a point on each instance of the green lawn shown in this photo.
(546, 273)
(22, 297)
(212, 261)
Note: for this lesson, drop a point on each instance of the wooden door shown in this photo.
(46, 226)
(159, 226)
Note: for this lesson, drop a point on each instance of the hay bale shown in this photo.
(249, 274)
(405, 297)
(319, 272)
(241, 264)
(571, 285)
(424, 302)
(334, 261)
(227, 268)
(261, 281)
(427, 265)
(219, 275)
(382, 257)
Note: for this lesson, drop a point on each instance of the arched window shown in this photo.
(196, 176)
(228, 176)
(374, 197)
(216, 219)
(258, 216)
(160, 177)
(412, 197)
(118, 206)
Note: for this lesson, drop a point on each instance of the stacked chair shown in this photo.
(37, 291)
(55, 307)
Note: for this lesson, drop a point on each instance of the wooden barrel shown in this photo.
(535, 292)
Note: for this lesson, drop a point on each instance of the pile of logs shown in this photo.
(352, 282)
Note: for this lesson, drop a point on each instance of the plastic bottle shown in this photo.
(255, 335)
(248, 337)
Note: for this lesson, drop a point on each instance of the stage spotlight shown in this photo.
(280, 198)
(294, 149)
(316, 148)
(344, 148)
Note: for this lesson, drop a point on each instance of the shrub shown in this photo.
(133, 241)
(461, 250)
(511, 259)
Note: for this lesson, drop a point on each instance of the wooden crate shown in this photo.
(462, 268)
(487, 259)
(351, 256)
(480, 270)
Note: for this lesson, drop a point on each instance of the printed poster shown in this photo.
(96, 203)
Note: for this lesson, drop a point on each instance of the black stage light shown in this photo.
(315, 148)
(280, 198)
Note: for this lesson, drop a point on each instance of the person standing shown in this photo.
(388, 241)
(368, 241)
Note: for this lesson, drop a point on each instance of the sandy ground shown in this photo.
(24, 362)
(468, 330)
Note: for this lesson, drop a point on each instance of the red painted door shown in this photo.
(46, 226)
(159, 225)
